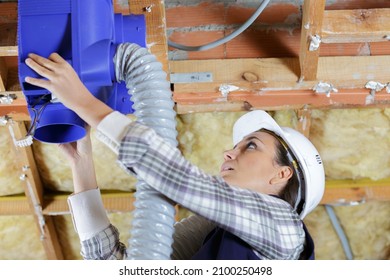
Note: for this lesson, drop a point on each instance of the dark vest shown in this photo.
(222, 245)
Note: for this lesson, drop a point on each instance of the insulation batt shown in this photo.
(9, 167)
(56, 174)
(353, 143)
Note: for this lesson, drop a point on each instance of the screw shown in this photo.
(148, 9)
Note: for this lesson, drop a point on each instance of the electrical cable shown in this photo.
(340, 232)
(226, 39)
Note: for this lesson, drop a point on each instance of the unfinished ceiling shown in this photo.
(276, 64)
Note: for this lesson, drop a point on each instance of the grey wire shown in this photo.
(340, 232)
(223, 40)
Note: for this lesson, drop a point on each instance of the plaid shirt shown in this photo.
(265, 222)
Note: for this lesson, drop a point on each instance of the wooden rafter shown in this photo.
(3, 74)
(34, 193)
(312, 16)
(337, 192)
(351, 26)
(154, 11)
(348, 75)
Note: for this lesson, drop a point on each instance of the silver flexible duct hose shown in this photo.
(152, 226)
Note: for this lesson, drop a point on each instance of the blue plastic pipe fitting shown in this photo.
(86, 33)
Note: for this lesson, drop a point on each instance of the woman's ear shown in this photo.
(283, 174)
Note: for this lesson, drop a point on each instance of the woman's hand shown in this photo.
(63, 82)
(80, 157)
(78, 151)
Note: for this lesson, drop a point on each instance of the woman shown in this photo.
(269, 181)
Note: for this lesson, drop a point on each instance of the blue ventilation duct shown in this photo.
(108, 52)
(86, 33)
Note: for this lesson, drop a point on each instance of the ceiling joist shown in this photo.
(278, 85)
(356, 26)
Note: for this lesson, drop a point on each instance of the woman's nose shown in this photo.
(229, 154)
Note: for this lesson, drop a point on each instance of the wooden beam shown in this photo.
(8, 26)
(8, 51)
(113, 201)
(14, 205)
(3, 75)
(17, 110)
(337, 192)
(34, 194)
(56, 204)
(154, 11)
(353, 26)
(313, 12)
(348, 75)
(345, 192)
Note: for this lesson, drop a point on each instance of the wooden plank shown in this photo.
(14, 205)
(337, 192)
(351, 26)
(34, 194)
(8, 50)
(342, 71)
(3, 74)
(313, 12)
(8, 25)
(154, 11)
(17, 110)
(57, 204)
(8, 12)
(356, 191)
(347, 74)
(113, 202)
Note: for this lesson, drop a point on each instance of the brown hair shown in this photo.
(290, 192)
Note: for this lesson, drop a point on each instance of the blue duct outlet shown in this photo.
(86, 34)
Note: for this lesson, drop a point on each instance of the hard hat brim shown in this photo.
(254, 121)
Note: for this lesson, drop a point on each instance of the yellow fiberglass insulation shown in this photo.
(20, 239)
(56, 173)
(353, 143)
(10, 169)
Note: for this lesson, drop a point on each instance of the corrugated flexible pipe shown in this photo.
(153, 217)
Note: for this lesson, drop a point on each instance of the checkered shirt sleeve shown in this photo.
(265, 222)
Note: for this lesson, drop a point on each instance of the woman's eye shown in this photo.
(251, 145)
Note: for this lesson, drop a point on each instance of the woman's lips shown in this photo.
(226, 167)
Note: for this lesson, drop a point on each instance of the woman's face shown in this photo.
(251, 164)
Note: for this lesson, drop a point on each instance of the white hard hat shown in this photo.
(312, 179)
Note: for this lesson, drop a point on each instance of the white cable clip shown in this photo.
(326, 88)
(315, 42)
(24, 142)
